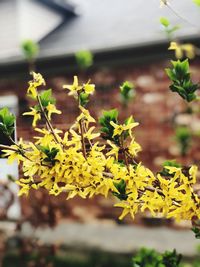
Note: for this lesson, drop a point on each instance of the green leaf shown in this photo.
(46, 98)
(183, 137)
(181, 80)
(197, 2)
(171, 163)
(121, 188)
(84, 59)
(30, 49)
(127, 91)
(164, 21)
(148, 258)
(171, 258)
(7, 121)
(129, 120)
(84, 99)
(11, 178)
(50, 153)
(151, 258)
(168, 28)
(183, 133)
(173, 29)
(107, 129)
(196, 231)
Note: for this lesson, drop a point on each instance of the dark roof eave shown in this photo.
(63, 63)
(65, 9)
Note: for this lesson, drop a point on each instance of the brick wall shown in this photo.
(154, 107)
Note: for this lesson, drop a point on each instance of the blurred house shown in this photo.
(120, 34)
(115, 31)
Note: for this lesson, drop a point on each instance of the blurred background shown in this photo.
(109, 42)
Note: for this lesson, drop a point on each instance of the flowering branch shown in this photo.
(102, 169)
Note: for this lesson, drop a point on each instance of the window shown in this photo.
(10, 206)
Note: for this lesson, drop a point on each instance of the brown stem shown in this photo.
(131, 157)
(31, 64)
(152, 189)
(124, 152)
(84, 128)
(108, 175)
(82, 138)
(148, 188)
(11, 140)
(126, 160)
(8, 147)
(19, 151)
(47, 120)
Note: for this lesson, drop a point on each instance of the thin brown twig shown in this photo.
(180, 17)
(47, 120)
(8, 147)
(82, 138)
(84, 128)
(124, 152)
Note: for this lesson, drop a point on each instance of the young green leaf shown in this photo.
(151, 258)
(181, 80)
(7, 121)
(121, 188)
(183, 137)
(50, 153)
(126, 92)
(107, 129)
(164, 21)
(168, 28)
(30, 49)
(84, 59)
(169, 163)
(46, 98)
(197, 2)
(171, 258)
(196, 231)
(84, 99)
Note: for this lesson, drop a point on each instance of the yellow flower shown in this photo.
(14, 152)
(181, 49)
(62, 167)
(47, 136)
(193, 174)
(89, 135)
(105, 186)
(127, 208)
(56, 190)
(36, 115)
(73, 88)
(85, 115)
(52, 109)
(134, 148)
(24, 189)
(114, 150)
(12, 155)
(119, 128)
(89, 88)
(36, 82)
(189, 49)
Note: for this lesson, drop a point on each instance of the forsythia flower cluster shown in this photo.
(181, 50)
(77, 164)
